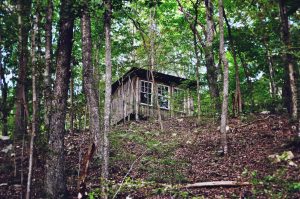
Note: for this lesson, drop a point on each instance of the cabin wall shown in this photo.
(123, 101)
(126, 102)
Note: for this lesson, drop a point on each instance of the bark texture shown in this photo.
(55, 178)
(212, 75)
(225, 83)
(107, 100)
(48, 65)
(24, 27)
(271, 73)
(90, 83)
(287, 58)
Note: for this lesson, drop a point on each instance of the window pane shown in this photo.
(163, 102)
(163, 96)
(145, 93)
(146, 98)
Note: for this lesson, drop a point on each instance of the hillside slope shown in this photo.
(157, 164)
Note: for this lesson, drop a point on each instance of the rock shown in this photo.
(6, 149)
(265, 112)
(274, 158)
(293, 164)
(287, 155)
(227, 128)
(188, 142)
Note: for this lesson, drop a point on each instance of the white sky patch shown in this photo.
(258, 76)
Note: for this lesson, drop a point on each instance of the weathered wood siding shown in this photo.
(126, 102)
(123, 101)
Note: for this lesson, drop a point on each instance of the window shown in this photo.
(163, 96)
(178, 99)
(146, 92)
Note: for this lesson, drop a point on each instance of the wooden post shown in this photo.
(172, 100)
(123, 101)
(137, 99)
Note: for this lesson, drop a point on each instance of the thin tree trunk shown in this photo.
(287, 57)
(197, 60)
(4, 90)
(34, 101)
(272, 75)
(152, 64)
(225, 83)
(71, 111)
(271, 70)
(24, 26)
(196, 36)
(249, 82)
(55, 177)
(212, 75)
(238, 94)
(48, 65)
(90, 83)
(107, 105)
(192, 26)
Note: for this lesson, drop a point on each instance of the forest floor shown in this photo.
(158, 164)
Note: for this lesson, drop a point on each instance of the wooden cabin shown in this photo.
(134, 96)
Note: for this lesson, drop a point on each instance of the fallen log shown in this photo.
(216, 183)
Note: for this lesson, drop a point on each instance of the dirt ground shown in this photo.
(185, 152)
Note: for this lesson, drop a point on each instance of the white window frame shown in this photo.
(142, 92)
(168, 96)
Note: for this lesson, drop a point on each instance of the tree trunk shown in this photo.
(298, 102)
(48, 65)
(271, 73)
(35, 101)
(249, 82)
(198, 77)
(24, 26)
(287, 57)
(225, 83)
(212, 75)
(71, 111)
(152, 64)
(238, 94)
(196, 5)
(4, 90)
(90, 83)
(196, 36)
(55, 178)
(107, 103)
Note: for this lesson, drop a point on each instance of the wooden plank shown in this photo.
(216, 183)
(137, 99)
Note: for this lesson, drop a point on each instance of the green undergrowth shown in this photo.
(277, 185)
(153, 155)
(138, 187)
